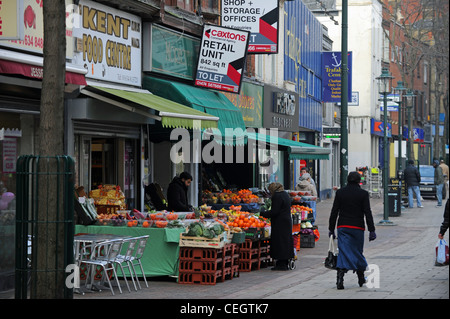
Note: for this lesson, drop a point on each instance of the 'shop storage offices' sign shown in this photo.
(221, 58)
(258, 17)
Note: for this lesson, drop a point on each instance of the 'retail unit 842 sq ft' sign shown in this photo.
(221, 58)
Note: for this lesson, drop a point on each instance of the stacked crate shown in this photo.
(254, 254)
(208, 266)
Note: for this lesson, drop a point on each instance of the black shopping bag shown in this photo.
(331, 260)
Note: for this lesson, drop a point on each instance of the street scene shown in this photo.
(405, 255)
(225, 150)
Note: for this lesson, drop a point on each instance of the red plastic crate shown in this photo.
(200, 278)
(200, 266)
(204, 254)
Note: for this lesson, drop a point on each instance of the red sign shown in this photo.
(36, 72)
(302, 164)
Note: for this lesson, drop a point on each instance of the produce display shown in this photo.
(110, 195)
(299, 196)
(302, 211)
(229, 197)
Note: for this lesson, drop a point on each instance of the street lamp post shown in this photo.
(385, 87)
(399, 89)
(409, 105)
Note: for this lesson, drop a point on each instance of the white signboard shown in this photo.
(32, 34)
(108, 43)
(221, 58)
(260, 17)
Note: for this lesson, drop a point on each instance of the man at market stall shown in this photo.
(177, 193)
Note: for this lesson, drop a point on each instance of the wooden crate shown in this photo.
(203, 242)
(107, 209)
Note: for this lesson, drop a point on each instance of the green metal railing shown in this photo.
(44, 226)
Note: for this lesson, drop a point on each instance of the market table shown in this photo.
(244, 207)
(161, 253)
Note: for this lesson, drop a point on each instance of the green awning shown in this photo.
(171, 114)
(296, 150)
(231, 123)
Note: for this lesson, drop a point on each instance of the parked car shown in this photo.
(427, 187)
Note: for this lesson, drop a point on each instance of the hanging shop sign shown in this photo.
(281, 109)
(108, 44)
(11, 20)
(31, 19)
(169, 52)
(258, 17)
(331, 76)
(250, 103)
(377, 128)
(221, 58)
(418, 135)
(391, 102)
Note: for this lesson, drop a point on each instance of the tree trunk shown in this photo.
(49, 248)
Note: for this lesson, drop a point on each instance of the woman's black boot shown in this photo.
(340, 278)
(361, 278)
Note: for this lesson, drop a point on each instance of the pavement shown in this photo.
(401, 266)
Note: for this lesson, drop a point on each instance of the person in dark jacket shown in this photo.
(281, 243)
(438, 181)
(444, 225)
(351, 205)
(412, 179)
(177, 199)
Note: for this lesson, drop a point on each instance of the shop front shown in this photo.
(110, 122)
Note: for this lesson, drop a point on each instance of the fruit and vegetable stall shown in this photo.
(206, 246)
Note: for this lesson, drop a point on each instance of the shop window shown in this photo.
(270, 167)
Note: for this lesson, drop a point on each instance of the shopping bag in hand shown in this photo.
(331, 260)
(442, 257)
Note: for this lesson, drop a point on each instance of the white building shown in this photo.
(365, 42)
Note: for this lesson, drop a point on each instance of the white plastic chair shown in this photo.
(111, 249)
(136, 259)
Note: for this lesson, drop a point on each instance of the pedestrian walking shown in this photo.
(438, 181)
(445, 172)
(350, 207)
(444, 225)
(412, 179)
(281, 242)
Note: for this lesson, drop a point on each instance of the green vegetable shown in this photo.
(196, 229)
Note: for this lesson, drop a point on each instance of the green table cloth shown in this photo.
(161, 253)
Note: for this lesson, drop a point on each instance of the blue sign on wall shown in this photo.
(303, 61)
(331, 76)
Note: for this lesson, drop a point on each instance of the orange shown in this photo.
(135, 222)
(145, 224)
(130, 224)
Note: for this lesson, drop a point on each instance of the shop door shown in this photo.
(103, 162)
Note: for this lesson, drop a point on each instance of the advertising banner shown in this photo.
(222, 58)
(108, 44)
(331, 76)
(32, 33)
(377, 128)
(260, 17)
(11, 20)
(169, 52)
(250, 103)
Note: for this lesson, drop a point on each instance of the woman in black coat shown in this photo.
(281, 243)
(351, 204)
